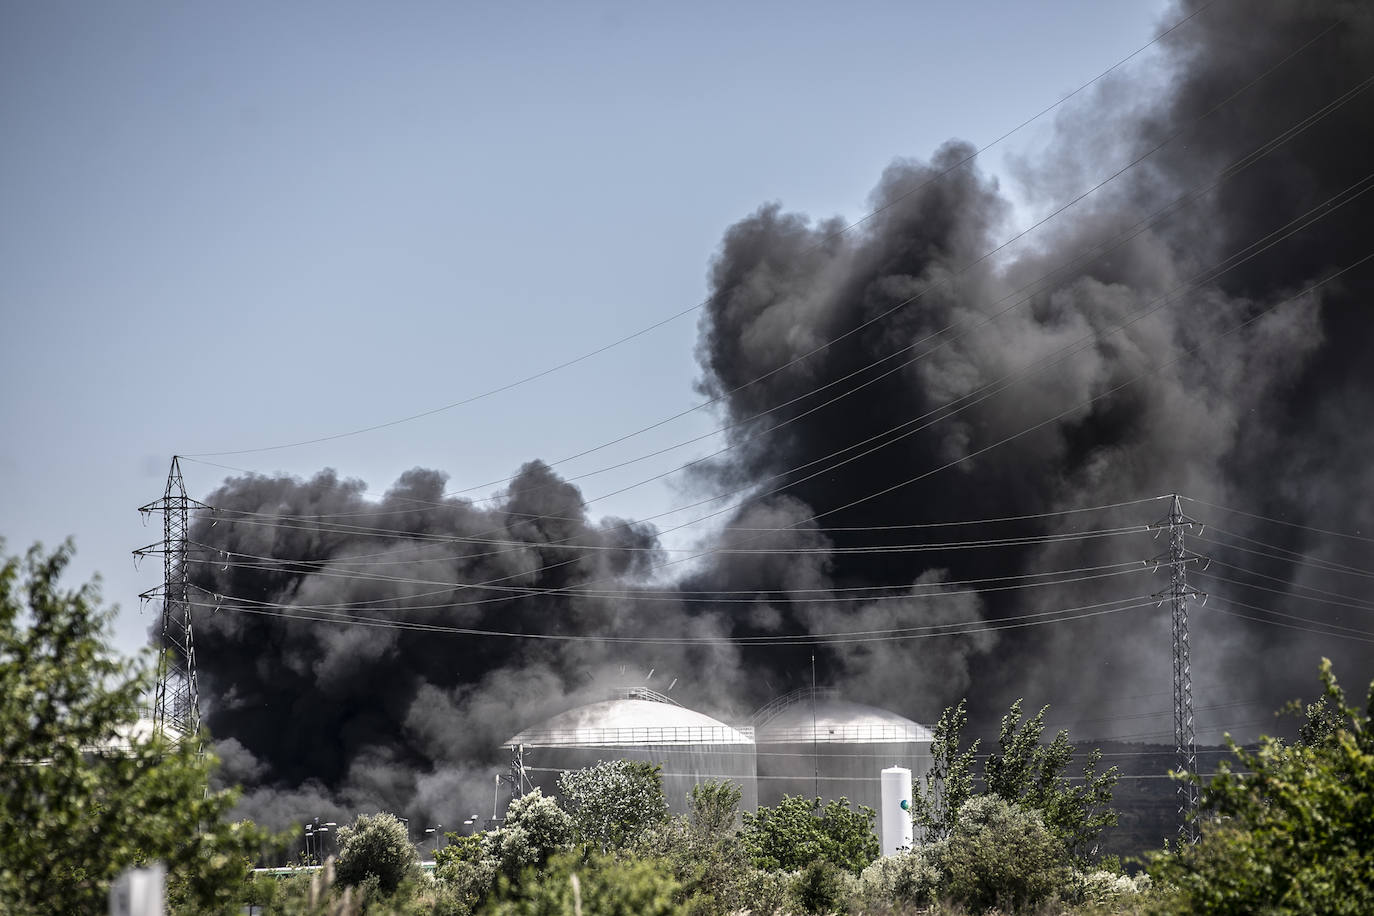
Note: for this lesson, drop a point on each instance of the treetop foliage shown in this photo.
(612, 803)
(1294, 834)
(83, 794)
(801, 830)
(377, 846)
(1023, 771)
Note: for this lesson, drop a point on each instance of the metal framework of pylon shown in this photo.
(515, 777)
(176, 704)
(1178, 594)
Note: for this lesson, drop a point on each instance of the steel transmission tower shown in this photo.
(176, 706)
(1178, 594)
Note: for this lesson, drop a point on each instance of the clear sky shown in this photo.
(228, 226)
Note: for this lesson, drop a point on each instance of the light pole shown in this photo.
(322, 828)
(434, 830)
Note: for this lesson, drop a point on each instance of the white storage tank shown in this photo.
(813, 743)
(640, 724)
(896, 832)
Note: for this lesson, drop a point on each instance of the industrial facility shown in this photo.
(810, 742)
(641, 724)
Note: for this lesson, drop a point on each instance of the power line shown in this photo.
(273, 609)
(1340, 632)
(1288, 594)
(687, 311)
(1253, 250)
(1279, 521)
(910, 591)
(754, 596)
(1256, 316)
(1140, 227)
(1293, 556)
(1292, 585)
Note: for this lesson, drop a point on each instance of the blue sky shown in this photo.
(229, 226)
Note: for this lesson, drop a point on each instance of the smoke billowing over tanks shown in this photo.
(1173, 338)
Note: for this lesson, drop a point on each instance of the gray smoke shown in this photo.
(1218, 389)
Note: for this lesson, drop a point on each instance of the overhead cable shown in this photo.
(687, 311)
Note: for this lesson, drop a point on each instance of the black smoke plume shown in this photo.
(1243, 387)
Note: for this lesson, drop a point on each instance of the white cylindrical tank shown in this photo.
(816, 743)
(894, 818)
(640, 724)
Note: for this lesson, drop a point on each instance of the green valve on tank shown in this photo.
(906, 805)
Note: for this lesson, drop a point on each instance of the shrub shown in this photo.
(1297, 834)
(535, 828)
(822, 887)
(599, 885)
(375, 845)
(910, 878)
(799, 831)
(1101, 888)
(613, 803)
(1000, 856)
(763, 893)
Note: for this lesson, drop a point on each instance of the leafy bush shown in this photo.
(613, 803)
(704, 850)
(910, 878)
(799, 831)
(713, 809)
(1101, 888)
(1000, 856)
(376, 845)
(763, 893)
(1296, 833)
(599, 885)
(535, 828)
(822, 887)
(468, 880)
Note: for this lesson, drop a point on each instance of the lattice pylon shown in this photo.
(1178, 594)
(176, 703)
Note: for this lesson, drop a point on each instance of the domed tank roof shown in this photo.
(795, 718)
(640, 719)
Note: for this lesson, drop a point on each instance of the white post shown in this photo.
(139, 892)
(894, 822)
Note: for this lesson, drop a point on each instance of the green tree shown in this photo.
(799, 831)
(535, 828)
(376, 845)
(83, 793)
(613, 803)
(713, 809)
(1023, 771)
(949, 781)
(704, 850)
(1027, 772)
(1293, 835)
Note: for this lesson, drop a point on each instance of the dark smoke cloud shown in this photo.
(1273, 418)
